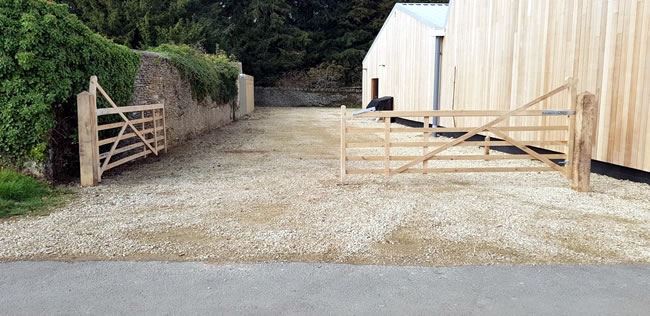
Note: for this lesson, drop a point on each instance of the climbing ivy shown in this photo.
(46, 57)
(212, 75)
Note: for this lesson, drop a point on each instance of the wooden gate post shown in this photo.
(585, 124)
(87, 129)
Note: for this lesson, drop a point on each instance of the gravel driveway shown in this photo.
(266, 189)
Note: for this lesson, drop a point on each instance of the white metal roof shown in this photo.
(431, 14)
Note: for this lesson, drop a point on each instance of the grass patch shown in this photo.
(20, 195)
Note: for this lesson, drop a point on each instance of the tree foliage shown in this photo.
(47, 56)
(272, 38)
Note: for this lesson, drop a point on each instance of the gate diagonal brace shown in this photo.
(110, 153)
(527, 150)
(446, 146)
(135, 130)
(483, 128)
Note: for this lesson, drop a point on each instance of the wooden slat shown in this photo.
(122, 149)
(113, 125)
(572, 99)
(457, 157)
(364, 130)
(127, 159)
(468, 113)
(126, 109)
(387, 147)
(137, 145)
(164, 128)
(367, 130)
(126, 136)
(455, 170)
(463, 144)
(155, 131)
(92, 88)
(425, 138)
(120, 124)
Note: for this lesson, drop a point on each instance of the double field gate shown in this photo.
(372, 145)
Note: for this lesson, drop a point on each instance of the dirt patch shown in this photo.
(408, 245)
(173, 235)
(267, 189)
(261, 213)
(588, 247)
(235, 151)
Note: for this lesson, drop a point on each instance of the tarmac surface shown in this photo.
(311, 288)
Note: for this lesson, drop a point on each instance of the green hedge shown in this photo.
(209, 75)
(46, 57)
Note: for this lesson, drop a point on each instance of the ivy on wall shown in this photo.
(209, 75)
(46, 57)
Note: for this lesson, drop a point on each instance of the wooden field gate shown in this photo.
(579, 129)
(130, 132)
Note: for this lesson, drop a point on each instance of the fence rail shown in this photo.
(576, 131)
(140, 131)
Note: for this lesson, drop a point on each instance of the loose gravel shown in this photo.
(266, 189)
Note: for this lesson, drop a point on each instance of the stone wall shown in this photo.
(159, 81)
(286, 97)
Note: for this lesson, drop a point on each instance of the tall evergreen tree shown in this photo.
(144, 23)
(264, 36)
(273, 38)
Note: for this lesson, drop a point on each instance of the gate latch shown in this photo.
(558, 112)
(364, 111)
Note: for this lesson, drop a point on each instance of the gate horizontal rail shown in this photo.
(455, 157)
(455, 170)
(464, 113)
(576, 133)
(465, 143)
(363, 130)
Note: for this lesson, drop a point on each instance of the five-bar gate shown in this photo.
(384, 147)
(130, 132)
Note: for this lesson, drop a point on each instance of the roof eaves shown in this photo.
(402, 7)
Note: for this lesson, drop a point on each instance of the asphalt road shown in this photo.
(296, 288)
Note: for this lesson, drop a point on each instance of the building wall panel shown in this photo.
(403, 58)
(499, 54)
